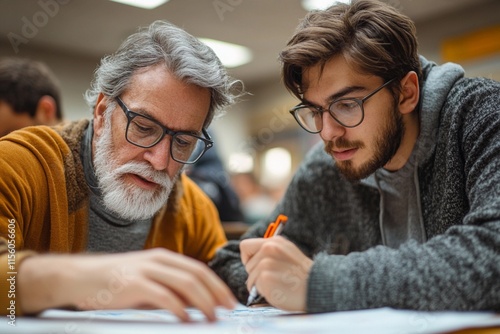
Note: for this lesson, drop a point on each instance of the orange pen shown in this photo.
(276, 227)
(273, 229)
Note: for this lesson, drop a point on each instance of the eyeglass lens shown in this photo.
(346, 112)
(146, 133)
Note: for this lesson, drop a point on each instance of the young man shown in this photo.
(115, 185)
(400, 206)
(29, 95)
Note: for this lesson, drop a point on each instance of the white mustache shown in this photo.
(144, 171)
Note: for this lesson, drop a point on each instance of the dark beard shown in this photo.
(386, 146)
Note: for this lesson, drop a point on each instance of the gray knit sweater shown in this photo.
(336, 222)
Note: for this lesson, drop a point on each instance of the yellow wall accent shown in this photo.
(473, 45)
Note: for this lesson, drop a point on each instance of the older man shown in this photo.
(115, 185)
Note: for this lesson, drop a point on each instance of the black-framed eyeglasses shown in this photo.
(348, 112)
(145, 132)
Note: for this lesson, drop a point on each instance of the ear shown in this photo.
(99, 109)
(410, 93)
(46, 111)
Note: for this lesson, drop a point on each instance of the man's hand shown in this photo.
(278, 269)
(155, 278)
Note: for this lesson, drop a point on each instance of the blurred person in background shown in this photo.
(256, 203)
(29, 95)
(212, 177)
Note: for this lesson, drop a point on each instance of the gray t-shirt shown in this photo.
(400, 208)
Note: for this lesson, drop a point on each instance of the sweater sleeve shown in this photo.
(33, 203)
(454, 271)
(22, 189)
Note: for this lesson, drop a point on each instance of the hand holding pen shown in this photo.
(278, 267)
(272, 230)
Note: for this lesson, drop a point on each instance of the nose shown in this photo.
(331, 128)
(159, 155)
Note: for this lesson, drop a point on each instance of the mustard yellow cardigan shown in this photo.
(44, 204)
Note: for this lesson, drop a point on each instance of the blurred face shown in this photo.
(135, 181)
(361, 150)
(11, 120)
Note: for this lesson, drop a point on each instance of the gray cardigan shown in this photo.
(336, 222)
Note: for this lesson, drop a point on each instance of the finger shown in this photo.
(159, 297)
(213, 285)
(188, 287)
(268, 248)
(252, 277)
(272, 253)
(220, 292)
(249, 247)
(143, 293)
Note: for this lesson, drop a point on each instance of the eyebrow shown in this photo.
(340, 94)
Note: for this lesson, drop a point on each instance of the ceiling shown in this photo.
(92, 28)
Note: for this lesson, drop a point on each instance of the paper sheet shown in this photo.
(245, 320)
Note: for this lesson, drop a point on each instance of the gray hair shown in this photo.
(184, 56)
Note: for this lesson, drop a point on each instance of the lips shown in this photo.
(342, 155)
(142, 182)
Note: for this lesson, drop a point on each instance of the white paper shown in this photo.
(245, 320)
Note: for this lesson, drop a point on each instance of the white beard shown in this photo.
(126, 200)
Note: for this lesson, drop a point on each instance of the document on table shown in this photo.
(252, 320)
(223, 315)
